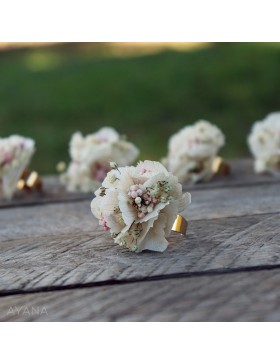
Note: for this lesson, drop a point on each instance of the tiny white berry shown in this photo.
(138, 200)
(113, 165)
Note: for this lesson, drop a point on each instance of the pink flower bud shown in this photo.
(141, 215)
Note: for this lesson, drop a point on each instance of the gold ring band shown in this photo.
(180, 225)
(29, 180)
(219, 166)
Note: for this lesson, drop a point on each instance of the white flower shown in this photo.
(91, 156)
(139, 205)
(15, 154)
(192, 150)
(264, 143)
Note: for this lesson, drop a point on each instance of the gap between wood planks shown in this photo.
(15, 204)
(86, 197)
(112, 282)
(231, 243)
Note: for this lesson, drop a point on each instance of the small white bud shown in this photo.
(60, 167)
(138, 200)
(113, 165)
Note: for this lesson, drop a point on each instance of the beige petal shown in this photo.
(129, 213)
(155, 239)
(184, 201)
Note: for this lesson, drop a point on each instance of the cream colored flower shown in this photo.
(15, 154)
(264, 143)
(192, 150)
(91, 156)
(139, 205)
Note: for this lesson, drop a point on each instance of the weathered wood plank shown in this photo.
(52, 191)
(245, 296)
(73, 217)
(240, 201)
(81, 258)
(242, 174)
(46, 220)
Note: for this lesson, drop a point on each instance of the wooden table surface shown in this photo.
(57, 263)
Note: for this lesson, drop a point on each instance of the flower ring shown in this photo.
(192, 153)
(264, 142)
(15, 154)
(139, 205)
(90, 156)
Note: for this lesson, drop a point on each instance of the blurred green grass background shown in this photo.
(48, 93)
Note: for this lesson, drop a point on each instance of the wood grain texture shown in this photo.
(56, 243)
(74, 217)
(246, 296)
(46, 220)
(226, 202)
(218, 244)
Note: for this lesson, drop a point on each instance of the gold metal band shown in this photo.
(29, 180)
(219, 166)
(180, 225)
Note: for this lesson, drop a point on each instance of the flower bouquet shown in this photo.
(138, 205)
(90, 157)
(192, 151)
(264, 143)
(15, 154)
